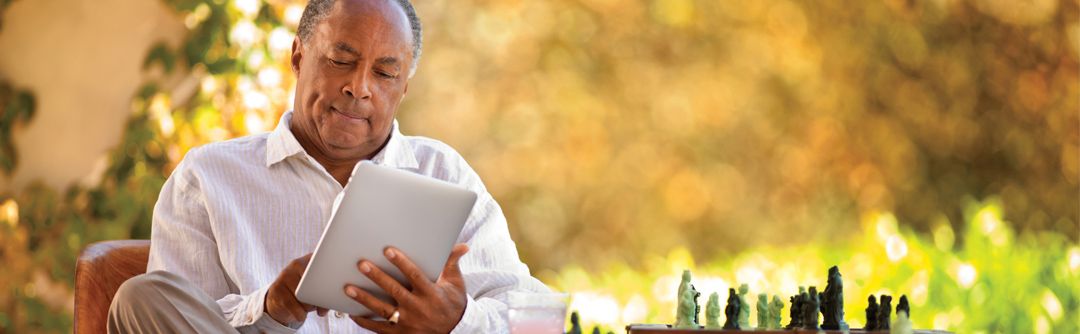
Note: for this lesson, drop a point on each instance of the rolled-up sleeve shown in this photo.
(491, 269)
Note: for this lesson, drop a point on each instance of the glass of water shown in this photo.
(537, 313)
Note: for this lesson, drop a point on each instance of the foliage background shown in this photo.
(929, 148)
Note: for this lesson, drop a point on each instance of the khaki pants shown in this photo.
(162, 302)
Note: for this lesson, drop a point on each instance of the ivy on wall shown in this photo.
(43, 230)
(16, 109)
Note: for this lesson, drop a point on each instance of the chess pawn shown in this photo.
(744, 309)
(791, 311)
(796, 309)
(884, 312)
(732, 310)
(712, 312)
(871, 314)
(762, 310)
(775, 312)
(812, 309)
(903, 324)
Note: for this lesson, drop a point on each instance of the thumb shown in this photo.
(452, 271)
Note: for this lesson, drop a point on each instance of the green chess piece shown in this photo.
(744, 311)
(712, 312)
(762, 310)
(686, 310)
(775, 312)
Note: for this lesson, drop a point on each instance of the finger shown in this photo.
(412, 272)
(303, 260)
(373, 303)
(372, 325)
(295, 271)
(386, 282)
(452, 271)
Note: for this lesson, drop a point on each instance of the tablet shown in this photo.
(380, 207)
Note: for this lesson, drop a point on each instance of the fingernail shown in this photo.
(390, 253)
(351, 291)
(365, 268)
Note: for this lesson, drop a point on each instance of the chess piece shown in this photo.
(884, 312)
(762, 310)
(796, 310)
(744, 309)
(575, 323)
(683, 316)
(732, 310)
(811, 309)
(821, 304)
(833, 302)
(596, 330)
(871, 314)
(903, 324)
(793, 318)
(686, 310)
(775, 312)
(712, 311)
(902, 305)
(697, 306)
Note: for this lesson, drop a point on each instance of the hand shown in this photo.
(426, 308)
(281, 303)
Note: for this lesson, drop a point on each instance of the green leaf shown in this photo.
(160, 53)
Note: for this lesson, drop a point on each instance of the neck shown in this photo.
(339, 168)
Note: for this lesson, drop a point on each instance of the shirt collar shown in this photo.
(281, 144)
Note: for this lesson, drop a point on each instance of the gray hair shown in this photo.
(317, 10)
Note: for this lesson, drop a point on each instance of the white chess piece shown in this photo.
(902, 324)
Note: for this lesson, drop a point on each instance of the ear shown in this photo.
(297, 54)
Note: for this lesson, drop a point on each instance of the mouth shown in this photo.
(348, 116)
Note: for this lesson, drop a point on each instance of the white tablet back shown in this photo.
(383, 207)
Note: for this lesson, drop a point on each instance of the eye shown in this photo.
(337, 62)
(385, 74)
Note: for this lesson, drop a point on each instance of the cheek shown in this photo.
(387, 104)
(314, 94)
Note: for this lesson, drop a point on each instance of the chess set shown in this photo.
(810, 312)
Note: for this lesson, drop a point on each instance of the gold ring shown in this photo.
(394, 317)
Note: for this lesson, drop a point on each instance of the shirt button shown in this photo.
(339, 314)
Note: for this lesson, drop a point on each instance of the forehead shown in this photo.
(358, 21)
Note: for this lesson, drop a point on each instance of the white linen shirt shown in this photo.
(234, 213)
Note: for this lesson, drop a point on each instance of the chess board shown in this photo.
(665, 329)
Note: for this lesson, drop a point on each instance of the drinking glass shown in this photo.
(537, 313)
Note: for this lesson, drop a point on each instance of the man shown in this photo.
(235, 219)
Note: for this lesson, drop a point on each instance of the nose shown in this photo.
(358, 87)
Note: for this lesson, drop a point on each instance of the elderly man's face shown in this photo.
(352, 73)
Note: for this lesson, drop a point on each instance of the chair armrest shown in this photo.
(101, 269)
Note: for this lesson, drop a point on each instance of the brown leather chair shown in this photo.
(101, 268)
